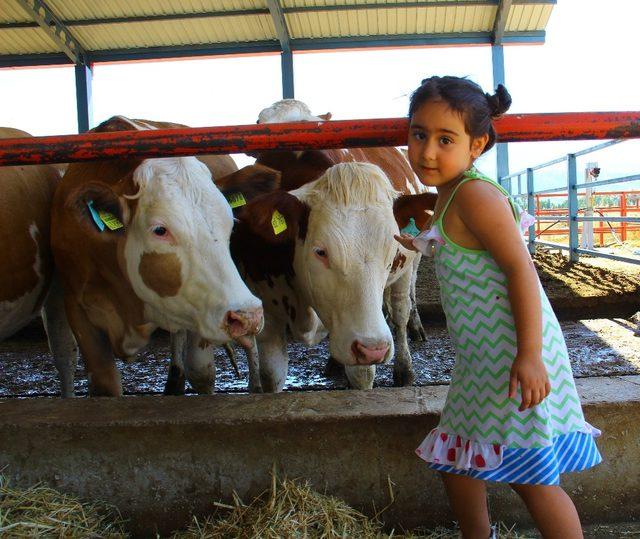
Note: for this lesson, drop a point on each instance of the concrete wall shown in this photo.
(160, 458)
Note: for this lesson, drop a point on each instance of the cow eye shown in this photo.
(322, 253)
(159, 231)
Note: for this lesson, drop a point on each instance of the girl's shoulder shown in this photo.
(479, 190)
(483, 180)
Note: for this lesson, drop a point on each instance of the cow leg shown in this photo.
(253, 362)
(415, 327)
(231, 354)
(199, 364)
(175, 379)
(62, 343)
(103, 375)
(386, 308)
(333, 368)
(360, 377)
(400, 311)
(274, 358)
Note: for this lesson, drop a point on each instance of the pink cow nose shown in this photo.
(369, 355)
(244, 322)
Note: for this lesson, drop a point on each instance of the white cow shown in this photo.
(320, 258)
(345, 224)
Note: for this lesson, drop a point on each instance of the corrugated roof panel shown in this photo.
(13, 12)
(175, 33)
(90, 9)
(386, 21)
(528, 17)
(429, 17)
(319, 3)
(26, 41)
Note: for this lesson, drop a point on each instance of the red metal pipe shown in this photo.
(298, 136)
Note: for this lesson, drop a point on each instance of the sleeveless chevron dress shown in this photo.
(481, 432)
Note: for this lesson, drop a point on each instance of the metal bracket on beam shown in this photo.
(500, 22)
(56, 30)
(280, 24)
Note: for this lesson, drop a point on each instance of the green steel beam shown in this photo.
(255, 47)
(55, 28)
(500, 22)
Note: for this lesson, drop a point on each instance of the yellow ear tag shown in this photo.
(278, 222)
(236, 200)
(112, 222)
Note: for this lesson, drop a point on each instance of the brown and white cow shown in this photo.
(354, 230)
(191, 357)
(28, 285)
(165, 264)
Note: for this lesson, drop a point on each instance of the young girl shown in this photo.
(512, 413)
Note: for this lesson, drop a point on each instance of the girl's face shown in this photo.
(440, 149)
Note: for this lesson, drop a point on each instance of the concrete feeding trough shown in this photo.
(161, 459)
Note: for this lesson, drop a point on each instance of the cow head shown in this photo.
(337, 251)
(344, 263)
(289, 110)
(171, 238)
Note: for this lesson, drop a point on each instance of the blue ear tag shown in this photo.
(411, 228)
(94, 215)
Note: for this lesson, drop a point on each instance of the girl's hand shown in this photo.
(529, 371)
(406, 240)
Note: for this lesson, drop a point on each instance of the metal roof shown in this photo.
(40, 32)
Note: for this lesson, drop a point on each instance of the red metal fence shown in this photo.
(298, 136)
(628, 206)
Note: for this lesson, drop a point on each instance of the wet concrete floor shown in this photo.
(597, 347)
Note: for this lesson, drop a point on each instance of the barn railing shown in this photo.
(574, 216)
(298, 136)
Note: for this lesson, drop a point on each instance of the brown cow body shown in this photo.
(27, 281)
(167, 265)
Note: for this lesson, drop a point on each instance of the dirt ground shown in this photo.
(590, 283)
(595, 305)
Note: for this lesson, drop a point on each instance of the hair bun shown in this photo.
(499, 102)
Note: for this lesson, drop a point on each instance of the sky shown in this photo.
(587, 63)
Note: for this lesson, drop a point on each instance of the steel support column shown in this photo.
(531, 210)
(286, 56)
(572, 192)
(84, 77)
(286, 59)
(502, 149)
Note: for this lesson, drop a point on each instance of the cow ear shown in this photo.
(247, 183)
(276, 218)
(326, 117)
(96, 207)
(419, 207)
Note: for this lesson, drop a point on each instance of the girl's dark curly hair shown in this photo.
(465, 97)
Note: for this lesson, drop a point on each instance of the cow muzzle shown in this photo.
(244, 322)
(369, 355)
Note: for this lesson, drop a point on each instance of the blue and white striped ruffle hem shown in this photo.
(571, 452)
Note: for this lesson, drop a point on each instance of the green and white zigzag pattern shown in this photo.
(475, 300)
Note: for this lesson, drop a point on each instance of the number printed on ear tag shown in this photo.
(278, 222)
(112, 222)
(236, 200)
